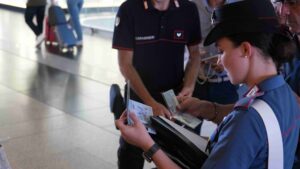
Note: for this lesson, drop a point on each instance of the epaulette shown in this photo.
(249, 97)
(244, 103)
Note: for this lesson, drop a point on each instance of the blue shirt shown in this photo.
(240, 141)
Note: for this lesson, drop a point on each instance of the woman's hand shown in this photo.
(136, 133)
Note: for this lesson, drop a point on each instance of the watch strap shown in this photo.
(150, 152)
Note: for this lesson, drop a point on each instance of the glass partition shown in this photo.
(100, 14)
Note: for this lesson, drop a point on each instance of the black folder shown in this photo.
(183, 147)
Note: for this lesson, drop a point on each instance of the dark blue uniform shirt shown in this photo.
(240, 141)
(157, 39)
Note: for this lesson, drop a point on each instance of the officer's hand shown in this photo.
(186, 91)
(160, 110)
(136, 133)
(196, 107)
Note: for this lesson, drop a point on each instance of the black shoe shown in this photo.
(116, 101)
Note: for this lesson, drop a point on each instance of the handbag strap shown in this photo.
(275, 155)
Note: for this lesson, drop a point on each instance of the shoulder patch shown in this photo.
(249, 97)
(244, 103)
(117, 21)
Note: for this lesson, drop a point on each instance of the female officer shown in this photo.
(251, 49)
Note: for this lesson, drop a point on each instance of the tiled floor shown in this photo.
(54, 110)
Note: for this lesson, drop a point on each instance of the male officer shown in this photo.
(290, 11)
(150, 36)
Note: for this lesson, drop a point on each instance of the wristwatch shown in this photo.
(150, 152)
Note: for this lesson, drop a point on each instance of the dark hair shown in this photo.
(278, 46)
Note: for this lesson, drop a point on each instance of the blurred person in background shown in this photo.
(213, 83)
(36, 9)
(74, 7)
(289, 15)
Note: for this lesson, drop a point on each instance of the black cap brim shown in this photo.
(235, 27)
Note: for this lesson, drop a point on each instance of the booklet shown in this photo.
(142, 111)
(197, 140)
(184, 118)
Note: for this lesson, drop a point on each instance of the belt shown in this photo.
(216, 79)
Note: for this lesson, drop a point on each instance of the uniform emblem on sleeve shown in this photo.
(179, 34)
(117, 21)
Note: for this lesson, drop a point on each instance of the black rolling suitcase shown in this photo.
(63, 30)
